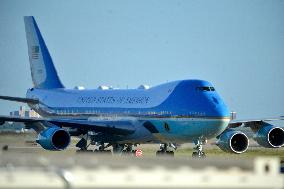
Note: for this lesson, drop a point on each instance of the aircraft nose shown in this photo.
(219, 107)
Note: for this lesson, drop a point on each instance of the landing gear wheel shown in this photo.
(161, 153)
(102, 151)
(128, 150)
(84, 151)
(127, 153)
(170, 153)
(117, 149)
(82, 144)
(198, 155)
(107, 152)
(164, 150)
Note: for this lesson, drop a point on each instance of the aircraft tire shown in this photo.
(103, 151)
(128, 153)
(159, 153)
(198, 155)
(170, 153)
(83, 151)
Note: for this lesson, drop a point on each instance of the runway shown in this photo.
(24, 143)
(25, 164)
(89, 170)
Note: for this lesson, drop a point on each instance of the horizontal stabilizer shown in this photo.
(19, 99)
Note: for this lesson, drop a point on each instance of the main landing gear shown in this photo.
(164, 150)
(100, 147)
(199, 153)
(82, 145)
(124, 149)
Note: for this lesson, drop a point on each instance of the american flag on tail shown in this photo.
(35, 52)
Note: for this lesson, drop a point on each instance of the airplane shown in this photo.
(168, 114)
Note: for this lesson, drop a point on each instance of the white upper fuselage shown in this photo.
(190, 107)
(163, 100)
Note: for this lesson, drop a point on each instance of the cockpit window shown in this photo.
(212, 89)
(204, 89)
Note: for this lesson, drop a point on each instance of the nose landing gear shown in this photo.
(199, 153)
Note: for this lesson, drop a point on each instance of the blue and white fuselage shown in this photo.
(171, 113)
(180, 111)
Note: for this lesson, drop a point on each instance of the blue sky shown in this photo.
(236, 45)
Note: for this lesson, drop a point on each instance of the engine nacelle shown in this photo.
(270, 136)
(233, 141)
(54, 138)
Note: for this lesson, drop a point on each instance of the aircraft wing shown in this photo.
(252, 123)
(20, 99)
(119, 127)
(20, 119)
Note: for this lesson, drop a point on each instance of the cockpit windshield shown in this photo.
(204, 89)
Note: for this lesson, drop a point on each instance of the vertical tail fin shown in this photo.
(43, 72)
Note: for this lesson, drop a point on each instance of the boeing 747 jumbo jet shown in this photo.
(168, 114)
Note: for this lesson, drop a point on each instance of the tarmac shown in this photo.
(23, 164)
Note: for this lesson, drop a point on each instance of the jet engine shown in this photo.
(270, 136)
(233, 141)
(54, 138)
